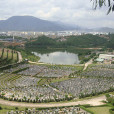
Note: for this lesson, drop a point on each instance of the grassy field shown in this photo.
(100, 110)
(4, 60)
(52, 80)
(5, 109)
(9, 54)
(29, 56)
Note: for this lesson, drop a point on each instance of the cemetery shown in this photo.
(20, 83)
(80, 87)
(65, 110)
(102, 70)
(22, 88)
(41, 70)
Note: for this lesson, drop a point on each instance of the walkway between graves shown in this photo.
(92, 101)
(88, 63)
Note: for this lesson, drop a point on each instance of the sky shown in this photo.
(74, 12)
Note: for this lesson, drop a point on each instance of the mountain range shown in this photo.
(30, 23)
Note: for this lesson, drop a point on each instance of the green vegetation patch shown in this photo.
(100, 110)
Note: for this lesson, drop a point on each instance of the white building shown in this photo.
(106, 56)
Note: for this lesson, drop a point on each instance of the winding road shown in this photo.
(92, 101)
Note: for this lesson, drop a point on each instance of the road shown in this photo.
(88, 63)
(20, 57)
(92, 101)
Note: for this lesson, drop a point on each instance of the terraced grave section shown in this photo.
(21, 83)
(103, 70)
(8, 80)
(17, 68)
(84, 86)
(42, 70)
(21, 88)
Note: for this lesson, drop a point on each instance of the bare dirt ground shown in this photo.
(88, 63)
(92, 101)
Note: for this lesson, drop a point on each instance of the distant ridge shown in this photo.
(105, 29)
(30, 23)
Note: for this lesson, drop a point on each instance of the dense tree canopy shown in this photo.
(73, 41)
(83, 41)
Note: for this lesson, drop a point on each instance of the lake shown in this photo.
(58, 57)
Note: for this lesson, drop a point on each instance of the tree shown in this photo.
(2, 53)
(17, 56)
(12, 54)
(100, 3)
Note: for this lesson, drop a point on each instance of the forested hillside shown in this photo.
(83, 41)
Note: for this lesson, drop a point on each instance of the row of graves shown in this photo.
(66, 110)
(95, 80)
(16, 68)
(101, 70)
(42, 70)
(26, 89)
(81, 87)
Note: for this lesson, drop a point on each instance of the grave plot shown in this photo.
(54, 73)
(34, 94)
(8, 80)
(99, 72)
(46, 71)
(108, 66)
(25, 89)
(84, 86)
(26, 81)
(32, 70)
(66, 110)
(13, 69)
(23, 86)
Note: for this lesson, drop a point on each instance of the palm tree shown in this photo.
(12, 54)
(2, 53)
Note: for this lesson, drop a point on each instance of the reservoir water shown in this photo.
(58, 58)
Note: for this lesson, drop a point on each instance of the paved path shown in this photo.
(93, 101)
(35, 62)
(88, 63)
(20, 57)
(53, 64)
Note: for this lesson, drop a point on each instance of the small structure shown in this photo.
(106, 57)
(100, 60)
(26, 60)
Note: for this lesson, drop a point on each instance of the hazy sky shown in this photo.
(76, 12)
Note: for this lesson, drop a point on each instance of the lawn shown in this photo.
(4, 60)
(9, 54)
(6, 108)
(100, 110)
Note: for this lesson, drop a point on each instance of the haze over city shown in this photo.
(73, 12)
